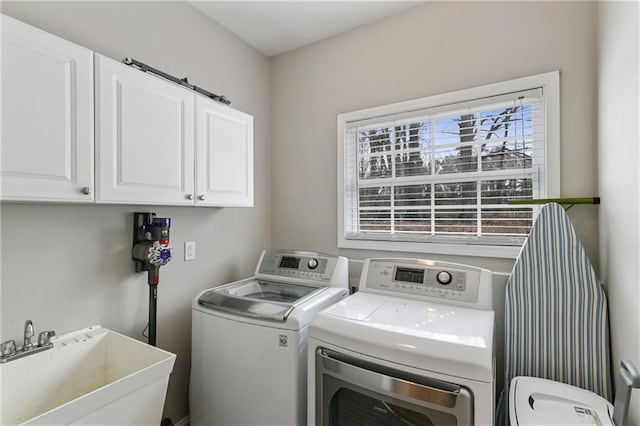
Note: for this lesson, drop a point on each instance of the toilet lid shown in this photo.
(536, 401)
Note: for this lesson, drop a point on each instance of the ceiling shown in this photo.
(273, 27)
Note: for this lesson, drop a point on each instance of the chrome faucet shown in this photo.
(9, 351)
(28, 334)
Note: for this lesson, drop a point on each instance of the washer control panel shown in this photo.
(432, 279)
(297, 264)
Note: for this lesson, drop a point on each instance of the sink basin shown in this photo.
(92, 376)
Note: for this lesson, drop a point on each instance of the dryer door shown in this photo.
(354, 392)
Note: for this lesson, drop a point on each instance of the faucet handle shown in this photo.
(44, 337)
(8, 348)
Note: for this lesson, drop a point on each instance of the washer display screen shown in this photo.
(409, 275)
(289, 262)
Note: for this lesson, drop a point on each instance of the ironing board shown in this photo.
(556, 322)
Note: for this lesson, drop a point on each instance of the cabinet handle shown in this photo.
(86, 190)
(189, 196)
(201, 197)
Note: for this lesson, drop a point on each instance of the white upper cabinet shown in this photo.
(224, 155)
(144, 137)
(145, 140)
(156, 142)
(47, 117)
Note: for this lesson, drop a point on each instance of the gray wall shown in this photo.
(68, 267)
(619, 156)
(431, 49)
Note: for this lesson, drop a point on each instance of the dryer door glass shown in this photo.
(389, 398)
(356, 408)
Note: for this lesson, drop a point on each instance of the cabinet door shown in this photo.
(144, 137)
(47, 116)
(224, 155)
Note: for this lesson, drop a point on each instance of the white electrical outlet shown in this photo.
(190, 250)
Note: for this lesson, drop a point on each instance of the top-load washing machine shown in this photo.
(414, 346)
(249, 340)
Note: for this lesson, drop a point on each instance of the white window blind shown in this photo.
(445, 173)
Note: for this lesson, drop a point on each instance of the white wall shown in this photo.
(619, 184)
(431, 49)
(67, 267)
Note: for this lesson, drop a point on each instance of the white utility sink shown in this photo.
(93, 376)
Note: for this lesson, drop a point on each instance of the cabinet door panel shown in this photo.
(145, 137)
(224, 155)
(47, 116)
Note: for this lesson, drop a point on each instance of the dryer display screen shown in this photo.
(409, 275)
(289, 262)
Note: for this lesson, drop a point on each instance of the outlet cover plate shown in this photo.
(190, 250)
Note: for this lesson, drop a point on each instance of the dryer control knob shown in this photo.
(444, 277)
(312, 263)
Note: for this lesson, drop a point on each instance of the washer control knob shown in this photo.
(312, 263)
(443, 277)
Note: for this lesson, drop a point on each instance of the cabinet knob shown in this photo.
(189, 196)
(86, 190)
(201, 197)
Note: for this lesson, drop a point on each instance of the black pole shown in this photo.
(153, 301)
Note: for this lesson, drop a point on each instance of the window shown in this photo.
(434, 175)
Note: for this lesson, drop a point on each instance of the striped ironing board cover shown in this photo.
(556, 321)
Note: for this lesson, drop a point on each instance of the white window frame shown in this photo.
(549, 185)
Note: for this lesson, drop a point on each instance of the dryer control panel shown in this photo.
(303, 265)
(428, 279)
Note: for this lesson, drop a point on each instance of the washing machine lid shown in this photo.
(258, 299)
(536, 401)
(442, 338)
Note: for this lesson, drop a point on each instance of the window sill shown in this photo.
(474, 250)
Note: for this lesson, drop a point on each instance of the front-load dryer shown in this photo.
(249, 340)
(415, 346)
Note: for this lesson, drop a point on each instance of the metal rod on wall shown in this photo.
(181, 81)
